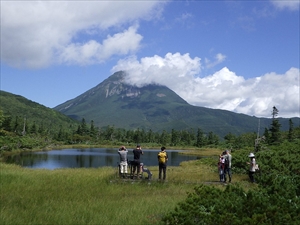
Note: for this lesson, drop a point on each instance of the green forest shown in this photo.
(19, 133)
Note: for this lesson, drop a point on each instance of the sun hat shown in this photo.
(251, 155)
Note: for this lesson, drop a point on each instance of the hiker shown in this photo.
(252, 166)
(162, 157)
(123, 161)
(144, 169)
(221, 166)
(227, 165)
(137, 152)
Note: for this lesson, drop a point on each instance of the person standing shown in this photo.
(137, 152)
(221, 167)
(252, 166)
(123, 161)
(227, 166)
(162, 157)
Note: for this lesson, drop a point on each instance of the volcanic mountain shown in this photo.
(113, 102)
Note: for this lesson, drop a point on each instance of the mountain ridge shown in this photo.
(155, 107)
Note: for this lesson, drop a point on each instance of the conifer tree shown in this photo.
(33, 128)
(84, 128)
(6, 123)
(275, 127)
(267, 135)
(212, 138)
(174, 137)
(291, 130)
(200, 142)
(164, 138)
(150, 136)
(93, 131)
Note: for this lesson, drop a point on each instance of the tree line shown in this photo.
(29, 134)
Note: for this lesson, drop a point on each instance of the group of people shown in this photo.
(138, 167)
(224, 166)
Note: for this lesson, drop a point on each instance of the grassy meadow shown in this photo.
(98, 196)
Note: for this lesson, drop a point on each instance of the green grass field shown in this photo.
(98, 196)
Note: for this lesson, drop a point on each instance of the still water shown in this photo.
(89, 158)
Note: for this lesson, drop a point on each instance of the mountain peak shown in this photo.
(116, 103)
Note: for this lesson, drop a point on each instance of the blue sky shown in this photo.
(241, 56)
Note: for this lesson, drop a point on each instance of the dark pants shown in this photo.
(251, 176)
(162, 167)
(136, 166)
(227, 171)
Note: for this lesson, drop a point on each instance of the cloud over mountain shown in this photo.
(222, 90)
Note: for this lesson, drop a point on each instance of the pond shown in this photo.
(89, 158)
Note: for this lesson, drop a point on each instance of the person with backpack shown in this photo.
(162, 157)
(227, 165)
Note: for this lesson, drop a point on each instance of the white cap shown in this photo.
(251, 155)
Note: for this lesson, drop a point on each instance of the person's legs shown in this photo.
(160, 170)
(229, 174)
(225, 172)
(164, 172)
(140, 170)
(148, 172)
(251, 176)
(134, 168)
(125, 167)
(221, 173)
(121, 170)
(137, 164)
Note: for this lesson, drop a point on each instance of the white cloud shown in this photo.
(93, 52)
(222, 90)
(160, 70)
(287, 4)
(219, 58)
(35, 34)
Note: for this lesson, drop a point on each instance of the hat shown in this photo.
(138, 145)
(251, 155)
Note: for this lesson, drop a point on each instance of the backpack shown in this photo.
(162, 156)
(226, 162)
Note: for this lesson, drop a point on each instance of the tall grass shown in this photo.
(96, 196)
(82, 196)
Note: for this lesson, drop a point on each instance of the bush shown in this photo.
(274, 201)
(233, 206)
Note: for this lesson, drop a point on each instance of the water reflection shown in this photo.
(89, 158)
